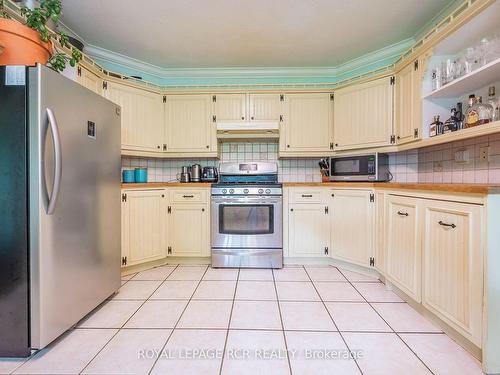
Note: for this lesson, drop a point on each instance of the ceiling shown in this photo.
(247, 33)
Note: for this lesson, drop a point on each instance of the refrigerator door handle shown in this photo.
(51, 206)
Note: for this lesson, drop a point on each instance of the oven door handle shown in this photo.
(246, 200)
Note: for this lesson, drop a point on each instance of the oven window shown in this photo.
(246, 219)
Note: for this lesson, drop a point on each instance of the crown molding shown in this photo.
(373, 58)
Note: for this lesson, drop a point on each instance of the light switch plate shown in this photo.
(462, 156)
(484, 153)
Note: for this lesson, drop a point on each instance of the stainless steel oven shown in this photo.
(247, 229)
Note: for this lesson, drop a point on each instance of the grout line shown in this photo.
(331, 317)
(281, 320)
(177, 322)
(119, 329)
(393, 330)
(229, 323)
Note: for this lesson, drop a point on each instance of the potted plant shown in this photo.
(34, 42)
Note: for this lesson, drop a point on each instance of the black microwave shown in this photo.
(371, 167)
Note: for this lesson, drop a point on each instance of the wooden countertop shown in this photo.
(159, 185)
(450, 188)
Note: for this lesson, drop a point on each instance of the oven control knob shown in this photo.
(261, 191)
(231, 191)
(245, 191)
(268, 191)
(224, 191)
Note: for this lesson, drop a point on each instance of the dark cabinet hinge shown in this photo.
(415, 65)
(104, 85)
(124, 197)
(372, 197)
(331, 145)
(164, 98)
(164, 147)
(326, 209)
(326, 250)
(281, 118)
(415, 133)
(79, 71)
(332, 97)
(393, 139)
(169, 209)
(169, 250)
(214, 118)
(372, 262)
(282, 98)
(214, 98)
(393, 81)
(124, 261)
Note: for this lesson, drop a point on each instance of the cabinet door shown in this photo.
(308, 230)
(408, 104)
(89, 80)
(143, 226)
(404, 245)
(264, 107)
(230, 107)
(188, 122)
(142, 117)
(363, 115)
(188, 230)
(351, 228)
(307, 125)
(453, 265)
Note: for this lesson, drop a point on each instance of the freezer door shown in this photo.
(74, 202)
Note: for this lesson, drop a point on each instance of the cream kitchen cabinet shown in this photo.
(364, 115)
(453, 265)
(408, 107)
(143, 226)
(264, 107)
(230, 108)
(190, 124)
(404, 244)
(308, 232)
(352, 225)
(188, 230)
(142, 116)
(307, 124)
(89, 80)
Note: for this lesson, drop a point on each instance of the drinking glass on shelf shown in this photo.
(470, 60)
(485, 51)
(448, 71)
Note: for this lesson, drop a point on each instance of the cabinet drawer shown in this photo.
(306, 196)
(188, 196)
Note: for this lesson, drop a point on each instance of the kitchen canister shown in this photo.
(141, 175)
(128, 176)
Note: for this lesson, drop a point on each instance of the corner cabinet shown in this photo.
(143, 226)
(308, 230)
(408, 103)
(364, 115)
(306, 126)
(88, 79)
(190, 125)
(142, 116)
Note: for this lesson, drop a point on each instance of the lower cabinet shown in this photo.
(188, 234)
(403, 263)
(143, 226)
(308, 232)
(453, 265)
(352, 226)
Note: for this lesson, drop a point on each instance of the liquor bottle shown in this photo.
(471, 116)
(450, 125)
(493, 101)
(459, 114)
(479, 114)
(436, 127)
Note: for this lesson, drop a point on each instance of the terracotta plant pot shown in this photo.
(21, 45)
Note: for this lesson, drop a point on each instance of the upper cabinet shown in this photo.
(363, 115)
(142, 116)
(189, 124)
(408, 108)
(230, 108)
(307, 124)
(264, 107)
(88, 79)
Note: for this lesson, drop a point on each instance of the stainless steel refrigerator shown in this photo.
(59, 205)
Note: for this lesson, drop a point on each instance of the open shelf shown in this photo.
(468, 83)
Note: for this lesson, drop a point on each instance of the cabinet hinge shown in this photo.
(104, 85)
(332, 97)
(372, 197)
(393, 139)
(79, 71)
(214, 98)
(124, 261)
(164, 147)
(415, 65)
(214, 118)
(331, 145)
(372, 262)
(164, 98)
(326, 250)
(169, 250)
(326, 209)
(281, 118)
(393, 80)
(169, 209)
(415, 133)
(282, 98)
(124, 197)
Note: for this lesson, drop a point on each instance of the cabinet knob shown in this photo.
(336, 145)
(251, 118)
(291, 209)
(288, 146)
(242, 117)
(158, 146)
(208, 146)
(202, 210)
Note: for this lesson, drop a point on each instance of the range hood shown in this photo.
(248, 130)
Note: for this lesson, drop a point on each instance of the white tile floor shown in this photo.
(211, 321)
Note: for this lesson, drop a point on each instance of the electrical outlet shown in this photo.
(484, 153)
(462, 156)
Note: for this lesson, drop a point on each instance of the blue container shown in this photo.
(128, 176)
(141, 175)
